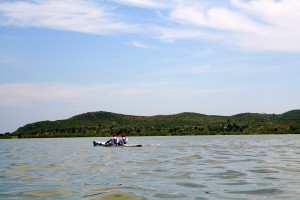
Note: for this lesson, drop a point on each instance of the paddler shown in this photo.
(123, 140)
(113, 141)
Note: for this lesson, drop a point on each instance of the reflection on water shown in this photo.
(120, 196)
(190, 167)
(45, 193)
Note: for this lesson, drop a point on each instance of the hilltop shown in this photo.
(98, 124)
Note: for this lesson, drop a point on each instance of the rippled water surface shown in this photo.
(188, 167)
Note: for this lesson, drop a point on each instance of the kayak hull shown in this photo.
(97, 143)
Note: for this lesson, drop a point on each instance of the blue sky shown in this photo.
(60, 58)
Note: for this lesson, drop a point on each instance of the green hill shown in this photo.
(94, 124)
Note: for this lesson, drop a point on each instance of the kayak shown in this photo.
(97, 143)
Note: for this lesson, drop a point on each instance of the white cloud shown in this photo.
(259, 25)
(143, 3)
(72, 15)
(201, 69)
(269, 25)
(32, 93)
(223, 69)
(173, 34)
(217, 18)
(140, 45)
(281, 21)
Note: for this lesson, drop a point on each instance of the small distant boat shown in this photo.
(97, 143)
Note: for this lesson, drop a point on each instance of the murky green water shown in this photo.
(189, 167)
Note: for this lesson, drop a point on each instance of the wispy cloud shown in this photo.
(266, 25)
(140, 45)
(194, 70)
(258, 25)
(27, 93)
(18, 94)
(280, 19)
(237, 69)
(144, 3)
(71, 15)
(179, 33)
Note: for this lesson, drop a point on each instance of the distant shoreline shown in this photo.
(103, 124)
(16, 138)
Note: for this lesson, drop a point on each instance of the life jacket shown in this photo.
(124, 140)
(114, 140)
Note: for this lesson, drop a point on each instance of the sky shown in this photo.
(60, 58)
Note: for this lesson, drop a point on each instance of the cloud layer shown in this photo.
(267, 25)
(71, 15)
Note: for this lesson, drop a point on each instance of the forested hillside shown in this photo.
(98, 124)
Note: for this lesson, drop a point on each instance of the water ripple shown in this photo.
(264, 171)
(266, 191)
(191, 185)
(189, 158)
(229, 174)
(169, 196)
(46, 193)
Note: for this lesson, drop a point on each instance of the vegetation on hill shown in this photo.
(103, 124)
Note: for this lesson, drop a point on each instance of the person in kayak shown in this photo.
(113, 141)
(123, 140)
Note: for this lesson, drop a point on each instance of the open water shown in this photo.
(186, 167)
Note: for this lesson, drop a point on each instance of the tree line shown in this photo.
(103, 124)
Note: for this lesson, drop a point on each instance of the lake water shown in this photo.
(187, 167)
